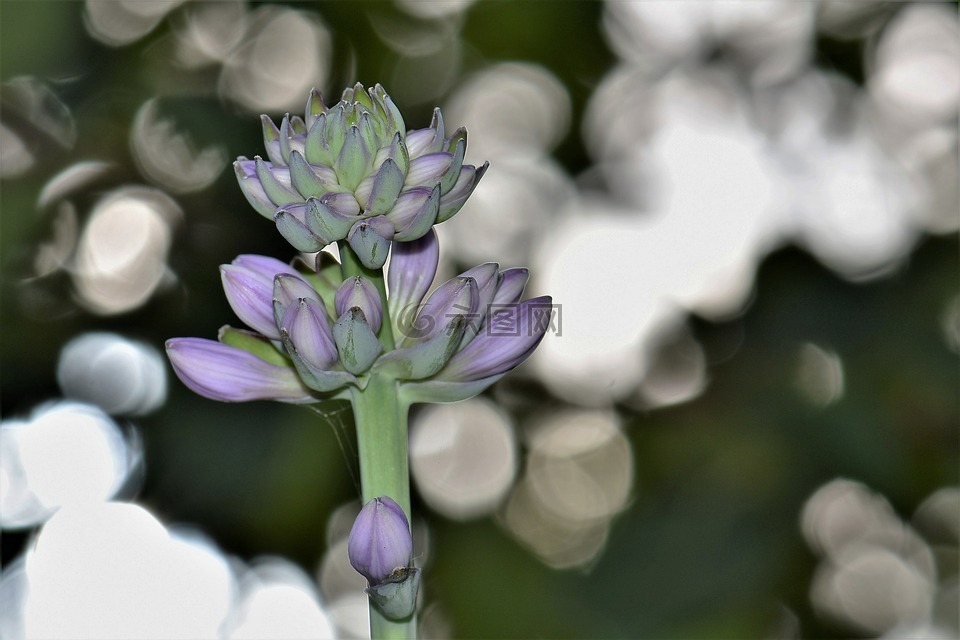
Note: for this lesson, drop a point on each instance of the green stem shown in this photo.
(381, 421)
(350, 266)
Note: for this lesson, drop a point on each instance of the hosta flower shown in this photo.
(316, 333)
(467, 334)
(352, 171)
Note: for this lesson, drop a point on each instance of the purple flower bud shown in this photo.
(288, 289)
(424, 358)
(415, 212)
(276, 182)
(360, 292)
(358, 157)
(427, 170)
(487, 276)
(385, 186)
(228, 374)
(288, 141)
(455, 297)
(370, 240)
(252, 189)
(311, 181)
(248, 283)
(427, 140)
(413, 266)
(497, 349)
(357, 345)
(306, 326)
(353, 162)
(292, 224)
(453, 200)
(307, 338)
(380, 540)
(459, 151)
(271, 140)
(510, 287)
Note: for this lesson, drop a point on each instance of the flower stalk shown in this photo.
(322, 329)
(381, 422)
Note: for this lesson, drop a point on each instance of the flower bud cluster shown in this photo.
(352, 171)
(317, 333)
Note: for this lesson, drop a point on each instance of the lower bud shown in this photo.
(380, 543)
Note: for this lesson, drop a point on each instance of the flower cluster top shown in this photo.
(352, 174)
(352, 171)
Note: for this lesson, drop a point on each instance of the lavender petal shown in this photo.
(507, 338)
(248, 285)
(413, 266)
(221, 372)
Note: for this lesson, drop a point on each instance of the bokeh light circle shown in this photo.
(66, 453)
(122, 252)
(121, 376)
(463, 457)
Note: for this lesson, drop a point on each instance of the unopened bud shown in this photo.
(380, 540)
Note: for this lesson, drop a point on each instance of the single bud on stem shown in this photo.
(380, 548)
(380, 540)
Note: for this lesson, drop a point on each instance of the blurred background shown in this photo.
(745, 424)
